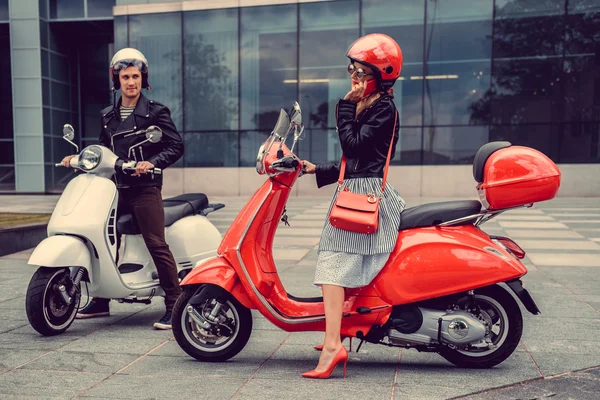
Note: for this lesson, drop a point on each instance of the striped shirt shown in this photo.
(126, 112)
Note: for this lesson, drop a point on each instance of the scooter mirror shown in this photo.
(154, 134)
(68, 132)
(296, 114)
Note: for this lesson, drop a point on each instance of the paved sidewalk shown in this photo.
(122, 357)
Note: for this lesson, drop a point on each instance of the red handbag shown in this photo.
(358, 212)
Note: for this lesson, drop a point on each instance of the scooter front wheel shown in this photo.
(47, 311)
(216, 328)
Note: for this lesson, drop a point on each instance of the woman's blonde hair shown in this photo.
(366, 102)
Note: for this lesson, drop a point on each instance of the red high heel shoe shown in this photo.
(340, 357)
(319, 347)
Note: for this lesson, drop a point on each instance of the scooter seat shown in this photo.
(175, 208)
(437, 213)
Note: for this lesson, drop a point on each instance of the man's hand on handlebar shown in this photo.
(66, 162)
(143, 167)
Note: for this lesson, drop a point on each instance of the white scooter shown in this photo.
(82, 241)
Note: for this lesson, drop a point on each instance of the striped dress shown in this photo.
(352, 259)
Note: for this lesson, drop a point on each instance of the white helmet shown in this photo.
(128, 57)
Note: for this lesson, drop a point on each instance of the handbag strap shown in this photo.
(387, 161)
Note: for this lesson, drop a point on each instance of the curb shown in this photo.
(21, 238)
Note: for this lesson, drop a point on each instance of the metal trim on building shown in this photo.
(195, 5)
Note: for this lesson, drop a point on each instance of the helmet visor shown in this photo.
(124, 64)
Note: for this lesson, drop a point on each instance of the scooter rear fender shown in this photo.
(218, 271)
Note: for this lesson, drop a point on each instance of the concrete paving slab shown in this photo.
(565, 259)
(558, 245)
(533, 225)
(11, 358)
(580, 386)
(123, 386)
(296, 389)
(534, 233)
(53, 384)
(99, 363)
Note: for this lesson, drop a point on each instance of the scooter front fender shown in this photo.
(61, 251)
(218, 271)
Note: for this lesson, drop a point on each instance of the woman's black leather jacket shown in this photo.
(365, 141)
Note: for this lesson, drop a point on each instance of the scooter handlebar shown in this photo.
(289, 163)
(128, 167)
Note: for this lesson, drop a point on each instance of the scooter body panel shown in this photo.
(438, 261)
(87, 209)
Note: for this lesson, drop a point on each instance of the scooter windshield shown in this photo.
(282, 126)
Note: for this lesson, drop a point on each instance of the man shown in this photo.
(140, 193)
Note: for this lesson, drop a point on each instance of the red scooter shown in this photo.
(445, 288)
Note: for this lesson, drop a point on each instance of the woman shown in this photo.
(366, 119)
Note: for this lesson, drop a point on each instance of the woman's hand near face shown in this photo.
(357, 92)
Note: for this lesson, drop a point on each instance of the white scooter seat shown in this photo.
(175, 208)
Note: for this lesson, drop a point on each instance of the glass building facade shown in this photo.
(526, 71)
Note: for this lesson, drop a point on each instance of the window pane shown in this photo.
(458, 49)
(320, 145)
(7, 178)
(268, 64)
(100, 8)
(211, 149)
(61, 95)
(409, 149)
(529, 8)
(121, 32)
(210, 44)
(323, 74)
(59, 66)
(527, 91)
(43, 5)
(583, 33)
(453, 145)
(545, 138)
(7, 155)
(529, 28)
(6, 101)
(403, 21)
(581, 143)
(250, 142)
(3, 10)
(581, 80)
(158, 37)
(66, 9)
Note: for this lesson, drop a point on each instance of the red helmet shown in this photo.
(381, 53)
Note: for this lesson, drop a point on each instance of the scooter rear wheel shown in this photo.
(211, 344)
(46, 310)
(506, 331)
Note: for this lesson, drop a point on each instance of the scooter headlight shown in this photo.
(260, 158)
(90, 157)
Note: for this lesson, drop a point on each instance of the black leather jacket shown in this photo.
(162, 154)
(365, 141)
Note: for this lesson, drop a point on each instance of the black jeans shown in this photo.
(146, 205)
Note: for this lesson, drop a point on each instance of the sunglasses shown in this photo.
(360, 73)
(124, 64)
